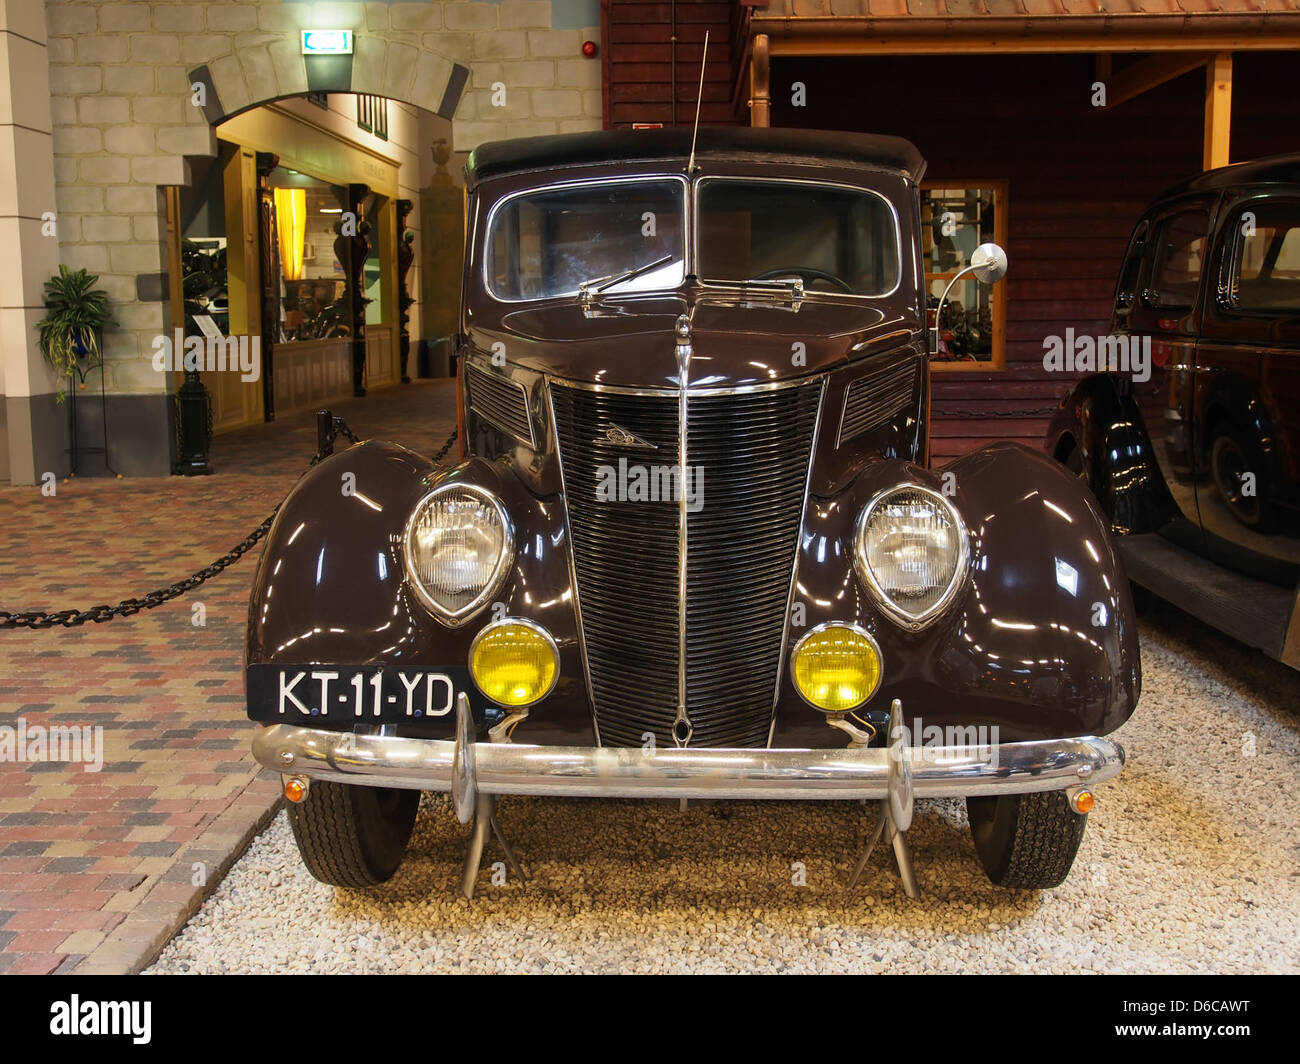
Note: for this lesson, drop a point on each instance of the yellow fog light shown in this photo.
(836, 667)
(514, 662)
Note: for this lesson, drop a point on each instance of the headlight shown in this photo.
(459, 544)
(836, 667)
(912, 553)
(514, 662)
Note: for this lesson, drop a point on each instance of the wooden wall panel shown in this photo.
(1079, 177)
(639, 67)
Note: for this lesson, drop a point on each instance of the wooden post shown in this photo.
(760, 90)
(1218, 109)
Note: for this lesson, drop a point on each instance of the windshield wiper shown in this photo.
(794, 286)
(599, 284)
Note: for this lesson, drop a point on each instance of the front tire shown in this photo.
(352, 836)
(1026, 841)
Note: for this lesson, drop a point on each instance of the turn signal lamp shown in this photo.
(1082, 801)
(514, 662)
(836, 667)
(295, 788)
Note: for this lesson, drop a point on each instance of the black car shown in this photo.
(1195, 457)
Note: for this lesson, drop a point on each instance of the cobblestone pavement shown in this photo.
(99, 868)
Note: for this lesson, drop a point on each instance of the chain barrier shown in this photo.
(329, 427)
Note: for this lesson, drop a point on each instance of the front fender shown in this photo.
(1118, 456)
(1041, 642)
(331, 585)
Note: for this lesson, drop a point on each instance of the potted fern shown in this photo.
(69, 335)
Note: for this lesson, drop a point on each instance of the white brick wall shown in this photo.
(123, 119)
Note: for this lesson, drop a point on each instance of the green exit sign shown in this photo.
(326, 42)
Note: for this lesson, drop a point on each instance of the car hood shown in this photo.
(630, 342)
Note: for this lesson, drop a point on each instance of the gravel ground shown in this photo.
(1191, 863)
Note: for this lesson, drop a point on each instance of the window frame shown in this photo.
(997, 294)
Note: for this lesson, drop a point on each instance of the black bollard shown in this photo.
(194, 426)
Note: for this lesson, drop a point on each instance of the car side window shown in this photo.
(1126, 289)
(1179, 252)
(1265, 264)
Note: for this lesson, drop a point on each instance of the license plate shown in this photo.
(351, 694)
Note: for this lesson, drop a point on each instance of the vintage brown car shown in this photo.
(693, 549)
(1196, 455)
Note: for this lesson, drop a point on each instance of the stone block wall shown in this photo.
(125, 111)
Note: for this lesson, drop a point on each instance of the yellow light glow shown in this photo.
(513, 664)
(291, 226)
(837, 669)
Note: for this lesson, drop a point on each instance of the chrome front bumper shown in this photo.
(466, 768)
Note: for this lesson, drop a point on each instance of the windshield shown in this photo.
(545, 244)
(629, 236)
(836, 239)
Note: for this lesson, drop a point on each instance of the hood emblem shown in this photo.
(620, 437)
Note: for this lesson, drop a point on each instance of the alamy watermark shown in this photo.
(209, 354)
(23, 742)
(1098, 354)
(658, 483)
(975, 742)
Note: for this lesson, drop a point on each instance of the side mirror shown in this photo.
(988, 263)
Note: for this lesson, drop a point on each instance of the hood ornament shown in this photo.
(620, 437)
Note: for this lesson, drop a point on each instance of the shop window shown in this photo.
(372, 115)
(956, 217)
(313, 289)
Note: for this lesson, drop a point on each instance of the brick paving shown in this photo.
(99, 868)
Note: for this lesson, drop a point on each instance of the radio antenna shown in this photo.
(690, 165)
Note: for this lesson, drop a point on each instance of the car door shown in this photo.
(1247, 391)
(1156, 306)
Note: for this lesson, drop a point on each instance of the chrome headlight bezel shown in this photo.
(457, 617)
(913, 622)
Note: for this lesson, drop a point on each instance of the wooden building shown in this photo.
(1065, 117)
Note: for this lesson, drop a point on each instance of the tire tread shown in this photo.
(327, 828)
(1039, 847)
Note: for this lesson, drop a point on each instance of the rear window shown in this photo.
(1179, 255)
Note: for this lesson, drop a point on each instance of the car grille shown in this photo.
(501, 402)
(878, 395)
(754, 449)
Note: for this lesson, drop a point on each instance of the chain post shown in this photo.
(324, 434)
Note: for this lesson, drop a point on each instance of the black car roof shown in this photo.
(1275, 169)
(500, 157)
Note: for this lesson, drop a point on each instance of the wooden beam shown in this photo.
(1101, 67)
(760, 87)
(1218, 110)
(1148, 73)
(829, 44)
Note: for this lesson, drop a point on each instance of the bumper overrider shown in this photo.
(467, 768)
